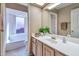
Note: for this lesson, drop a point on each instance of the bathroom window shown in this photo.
(19, 25)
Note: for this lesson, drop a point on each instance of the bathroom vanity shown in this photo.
(53, 45)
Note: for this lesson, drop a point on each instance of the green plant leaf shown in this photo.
(44, 29)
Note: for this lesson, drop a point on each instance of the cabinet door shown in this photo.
(47, 51)
(57, 53)
(34, 40)
(33, 48)
(39, 48)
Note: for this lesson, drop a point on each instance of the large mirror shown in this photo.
(64, 19)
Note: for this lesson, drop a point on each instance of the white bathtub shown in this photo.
(16, 41)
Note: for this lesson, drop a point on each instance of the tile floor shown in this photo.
(18, 52)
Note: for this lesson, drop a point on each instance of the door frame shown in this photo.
(3, 42)
(3, 33)
(55, 14)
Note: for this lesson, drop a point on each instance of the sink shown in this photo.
(48, 38)
(52, 41)
(74, 40)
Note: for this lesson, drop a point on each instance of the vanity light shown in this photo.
(53, 5)
(41, 4)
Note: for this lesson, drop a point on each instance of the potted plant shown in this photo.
(44, 30)
(41, 30)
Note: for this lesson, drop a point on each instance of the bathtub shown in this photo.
(16, 41)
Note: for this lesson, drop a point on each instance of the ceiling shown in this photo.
(56, 6)
(62, 5)
(51, 6)
(47, 5)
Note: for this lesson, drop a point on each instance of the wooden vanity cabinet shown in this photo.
(41, 49)
(47, 51)
(57, 53)
(36, 47)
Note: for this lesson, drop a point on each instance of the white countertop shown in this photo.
(69, 48)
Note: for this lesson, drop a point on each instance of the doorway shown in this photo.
(16, 32)
(53, 17)
(75, 23)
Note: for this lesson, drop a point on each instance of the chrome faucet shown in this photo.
(64, 40)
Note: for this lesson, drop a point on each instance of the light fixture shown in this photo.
(41, 4)
(53, 5)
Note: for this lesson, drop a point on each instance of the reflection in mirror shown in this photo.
(75, 23)
(53, 17)
(65, 20)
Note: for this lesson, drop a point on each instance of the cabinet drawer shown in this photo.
(39, 48)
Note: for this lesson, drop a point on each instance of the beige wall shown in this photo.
(46, 18)
(34, 22)
(38, 17)
(35, 18)
(64, 16)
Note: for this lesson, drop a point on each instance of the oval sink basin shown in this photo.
(48, 38)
